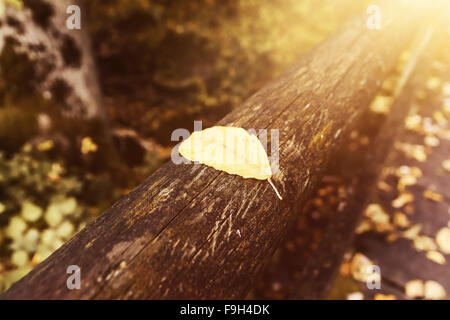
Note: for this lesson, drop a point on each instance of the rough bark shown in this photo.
(61, 63)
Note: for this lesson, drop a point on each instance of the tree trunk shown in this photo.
(57, 61)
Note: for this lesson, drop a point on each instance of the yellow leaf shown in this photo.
(414, 289)
(380, 296)
(412, 232)
(439, 118)
(434, 290)
(402, 200)
(414, 123)
(446, 89)
(30, 211)
(413, 151)
(45, 145)
(446, 165)
(88, 145)
(434, 83)
(436, 256)
(355, 296)
(19, 258)
(16, 227)
(407, 176)
(431, 141)
(424, 243)
(401, 220)
(431, 195)
(378, 217)
(381, 104)
(443, 240)
(229, 149)
(359, 266)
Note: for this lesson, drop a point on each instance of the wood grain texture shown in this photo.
(190, 231)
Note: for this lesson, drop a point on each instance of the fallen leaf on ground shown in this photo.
(381, 104)
(355, 296)
(431, 141)
(402, 200)
(424, 243)
(412, 232)
(414, 151)
(434, 83)
(446, 165)
(431, 195)
(434, 290)
(378, 217)
(380, 296)
(443, 240)
(401, 220)
(414, 289)
(436, 256)
(88, 145)
(359, 267)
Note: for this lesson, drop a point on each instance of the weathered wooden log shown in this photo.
(190, 231)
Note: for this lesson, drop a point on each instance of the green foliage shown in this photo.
(44, 202)
(41, 207)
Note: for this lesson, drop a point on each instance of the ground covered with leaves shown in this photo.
(405, 230)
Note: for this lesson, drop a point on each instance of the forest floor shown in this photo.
(406, 229)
